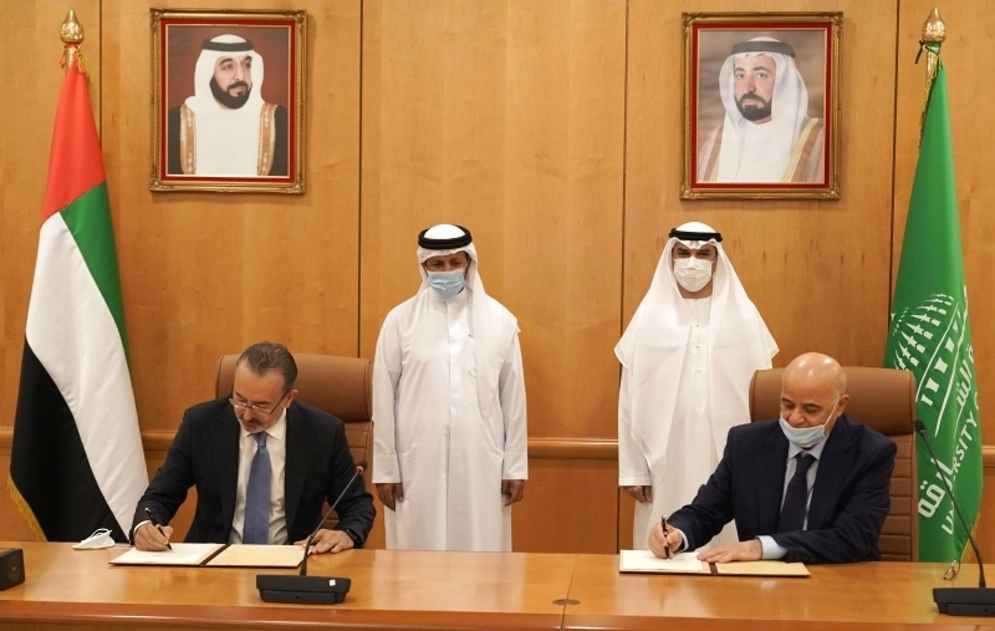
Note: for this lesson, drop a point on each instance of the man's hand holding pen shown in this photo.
(664, 540)
(151, 536)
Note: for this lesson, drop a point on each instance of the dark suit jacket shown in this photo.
(205, 453)
(850, 498)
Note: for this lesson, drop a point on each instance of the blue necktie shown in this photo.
(256, 527)
(796, 497)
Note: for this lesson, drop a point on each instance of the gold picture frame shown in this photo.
(217, 126)
(741, 70)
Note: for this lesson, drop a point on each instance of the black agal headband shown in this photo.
(684, 235)
(224, 47)
(762, 46)
(445, 244)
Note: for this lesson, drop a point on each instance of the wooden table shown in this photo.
(396, 590)
(67, 589)
(880, 596)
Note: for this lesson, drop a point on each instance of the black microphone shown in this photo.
(301, 588)
(360, 468)
(960, 601)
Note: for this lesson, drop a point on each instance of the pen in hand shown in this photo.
(158, 527)
(663, 525)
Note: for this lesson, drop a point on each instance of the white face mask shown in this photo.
(99, 539)
(447, 283)
(692, 273)
(806, 437)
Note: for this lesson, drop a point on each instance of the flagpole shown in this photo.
(72, 36)
(934, 32)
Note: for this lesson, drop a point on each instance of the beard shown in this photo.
(758, 109)
(226, 98)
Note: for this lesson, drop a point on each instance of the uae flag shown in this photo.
(76, 462)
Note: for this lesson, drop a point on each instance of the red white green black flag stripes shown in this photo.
(76, 462)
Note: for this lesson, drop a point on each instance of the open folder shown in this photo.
(216, 555)
(688, 563)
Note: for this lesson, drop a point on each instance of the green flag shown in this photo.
(930, 335)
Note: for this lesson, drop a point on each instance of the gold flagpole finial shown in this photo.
(934, 30)
(72, 36)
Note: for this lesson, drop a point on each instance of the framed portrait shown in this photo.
(228, 101)
(761, 105)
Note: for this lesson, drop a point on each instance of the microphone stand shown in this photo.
(301, 588)
(960, 601)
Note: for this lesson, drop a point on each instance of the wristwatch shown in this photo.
(357, 541)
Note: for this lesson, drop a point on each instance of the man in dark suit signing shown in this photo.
(262, 464)
(811, 486)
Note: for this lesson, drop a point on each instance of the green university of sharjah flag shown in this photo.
(930, 335)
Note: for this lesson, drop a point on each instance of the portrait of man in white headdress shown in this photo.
(763, 119)
(226, 128)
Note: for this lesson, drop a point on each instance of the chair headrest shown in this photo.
(882, 398)
(338, 385)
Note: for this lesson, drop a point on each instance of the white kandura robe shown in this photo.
(659, 401)
(692, 453)
(429, 429)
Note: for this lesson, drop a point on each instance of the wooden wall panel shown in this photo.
(505, 117)
(567, 507)
(207, 274)
(985, 528)
(970, 28)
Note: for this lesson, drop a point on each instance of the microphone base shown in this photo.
(965, 601)
(314, 590)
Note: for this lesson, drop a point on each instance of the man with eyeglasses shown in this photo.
(262, 463)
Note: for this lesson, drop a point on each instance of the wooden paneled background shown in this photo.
(552, 128)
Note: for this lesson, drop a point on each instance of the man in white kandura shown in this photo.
(449, 424)
(687, 359)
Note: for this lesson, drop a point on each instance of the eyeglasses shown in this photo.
(241, 405)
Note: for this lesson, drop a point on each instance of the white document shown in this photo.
(181, 554)
(644, 561)
(244, 555)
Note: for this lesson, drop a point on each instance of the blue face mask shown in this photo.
(806, 437)
(448, 284)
